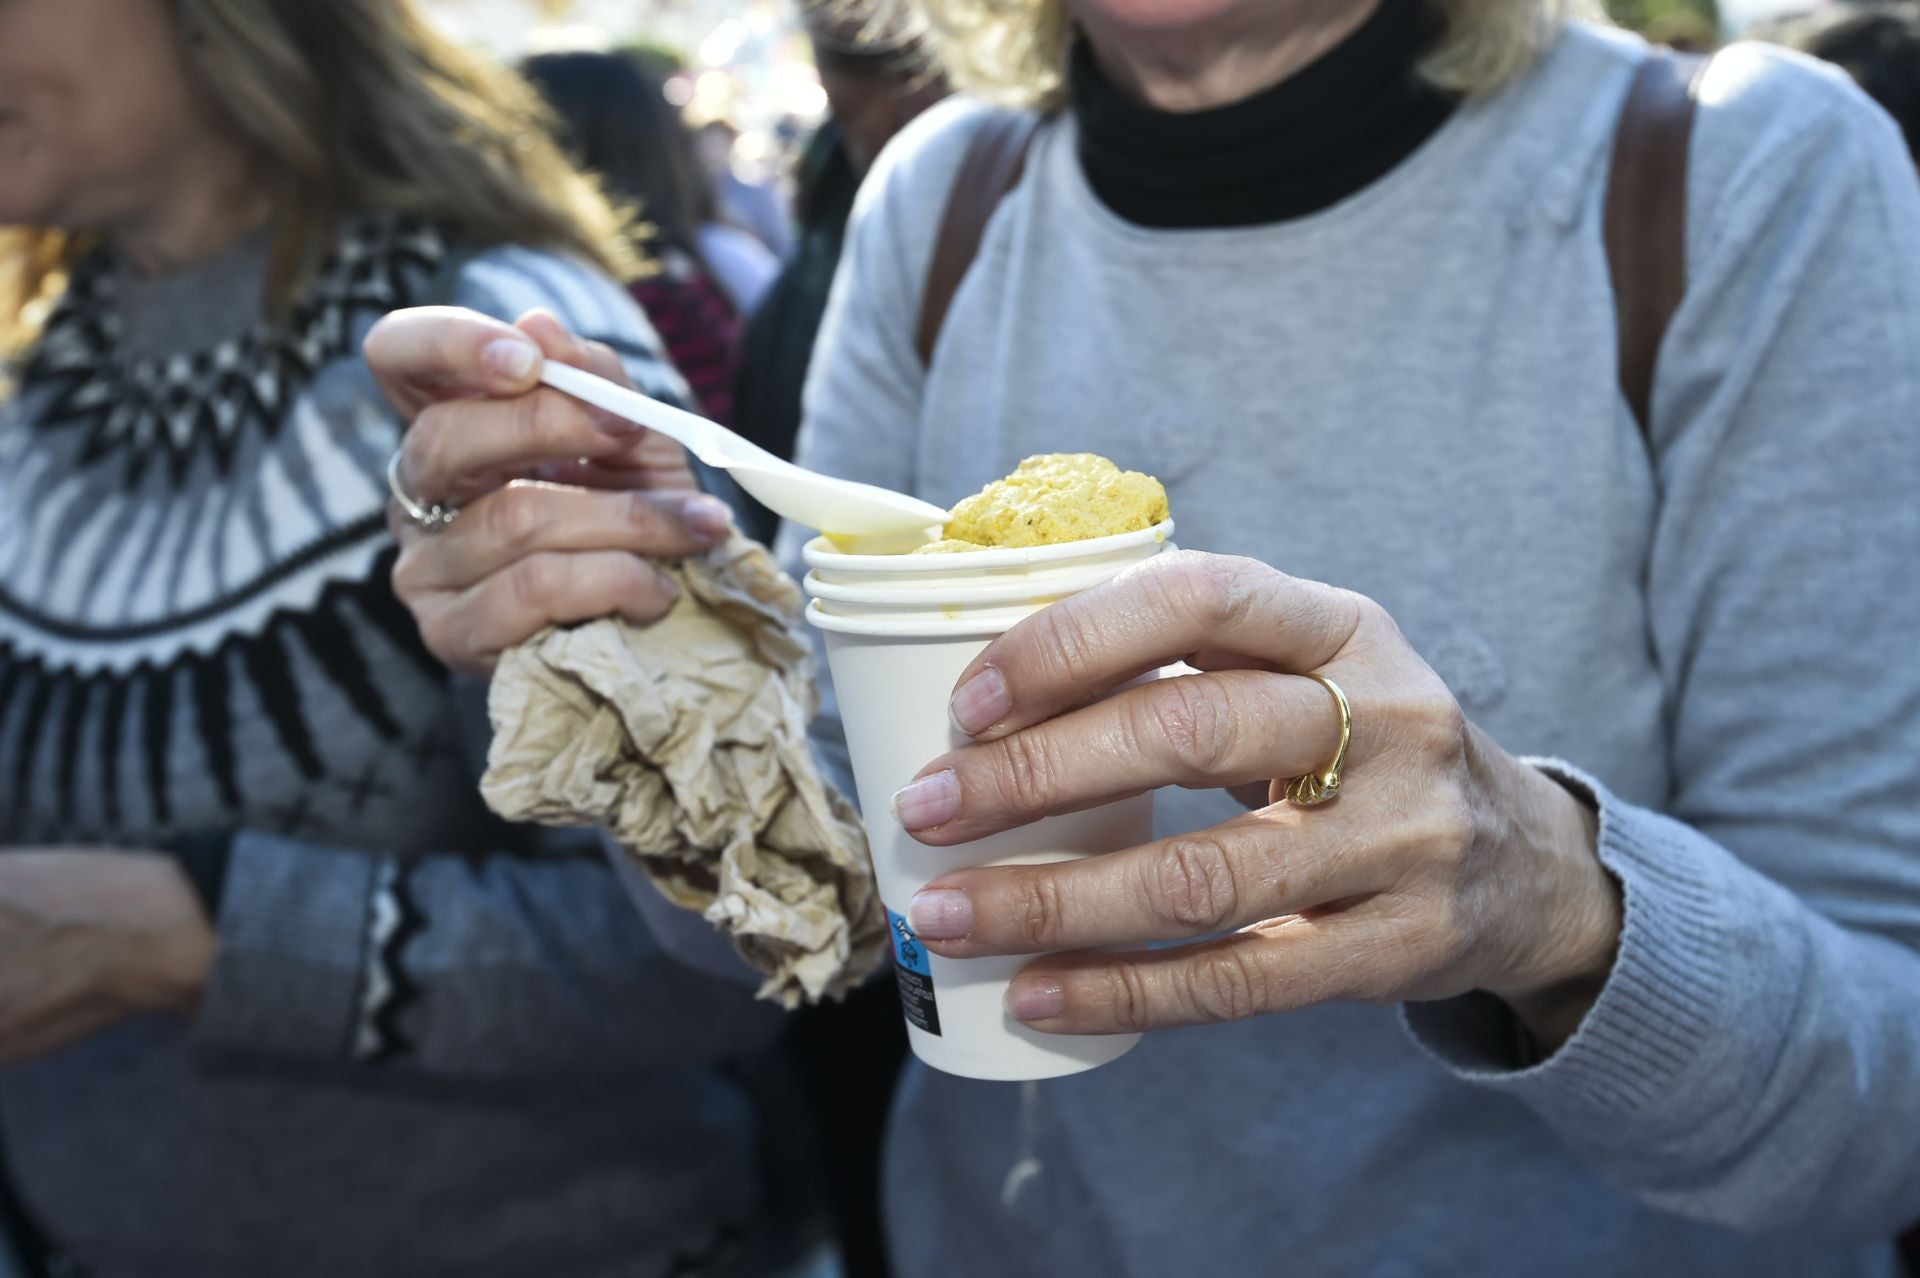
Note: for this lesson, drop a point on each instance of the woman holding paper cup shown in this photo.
(1603, 953)
(1600, 956)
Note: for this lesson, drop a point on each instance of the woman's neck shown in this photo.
(1287, 150)
(210, 200)
(1222, 62)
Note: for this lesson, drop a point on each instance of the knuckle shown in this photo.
(639, 513)
(1027, 772)
(376, 345)
(1163, 581)
(514, 518)
(602, 359)
(1403, 957)
(424, 445)
(1218, 589)
(1193, 886)
(1439, 724)
(1362, 612)
(1225, 986)
(1067, 640)
(1452, 826)
(1037, 911)
(542, 418)
(1132, 997)
(638, 580)
(535, 582)
(1196, 718)
(441, 639)
(385, 345)
(406, 575)
(1344, 616)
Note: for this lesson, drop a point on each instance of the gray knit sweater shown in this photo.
(430, 1044)
(1413, 394)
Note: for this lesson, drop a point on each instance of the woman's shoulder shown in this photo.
(1757, 105)
(1763, 115)
(507, 281)
(938, 137)
(914, 172)
(1763, 110)
(899, 206)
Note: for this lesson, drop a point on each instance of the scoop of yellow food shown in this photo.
(1053, 498)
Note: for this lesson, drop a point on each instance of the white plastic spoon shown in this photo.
(839, 507)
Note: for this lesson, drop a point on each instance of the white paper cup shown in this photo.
(899, 631)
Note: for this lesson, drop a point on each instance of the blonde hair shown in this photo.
(350, 105)
(1015, 51)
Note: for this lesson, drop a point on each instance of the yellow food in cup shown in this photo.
(1053, 498)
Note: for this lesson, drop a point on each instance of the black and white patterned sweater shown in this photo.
(431, 1043)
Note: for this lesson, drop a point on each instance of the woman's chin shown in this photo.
(1158, 15)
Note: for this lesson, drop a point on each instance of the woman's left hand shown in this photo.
(1443, 866)
(90, 937)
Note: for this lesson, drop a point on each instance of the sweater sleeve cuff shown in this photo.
(203, 859)
(1656, 1020)
(293, 927)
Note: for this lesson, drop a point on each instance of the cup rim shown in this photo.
(961, 623)
(964, 592)
(819, 553)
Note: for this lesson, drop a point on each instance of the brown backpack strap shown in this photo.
(1646, 215)
(996, 156)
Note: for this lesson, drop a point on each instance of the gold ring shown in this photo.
(1317, 787)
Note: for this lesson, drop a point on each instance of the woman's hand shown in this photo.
(1444, 865)
(89, 937)
(562, 506)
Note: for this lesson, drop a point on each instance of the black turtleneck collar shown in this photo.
(1312, 140)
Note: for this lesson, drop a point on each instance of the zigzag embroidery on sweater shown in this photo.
(385, 988)
(71, 724)
(135, 411)
(147, 608)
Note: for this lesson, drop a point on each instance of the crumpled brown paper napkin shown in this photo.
(687, 741)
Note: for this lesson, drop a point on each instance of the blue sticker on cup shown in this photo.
(914, 975)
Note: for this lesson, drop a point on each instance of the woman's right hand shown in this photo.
(562, 507)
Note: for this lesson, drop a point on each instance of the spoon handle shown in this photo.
(691, 431)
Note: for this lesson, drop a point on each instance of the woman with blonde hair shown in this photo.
(1550, 610)
(277, 996)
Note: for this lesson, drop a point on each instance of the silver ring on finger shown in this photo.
(430, 516)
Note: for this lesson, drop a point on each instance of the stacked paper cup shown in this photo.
(899, 630)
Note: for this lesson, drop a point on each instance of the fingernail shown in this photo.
(509, 358)
(981, 702)
(669, 588)
(1035, 998)
(708, 517)
(930, 801)
(941, 914)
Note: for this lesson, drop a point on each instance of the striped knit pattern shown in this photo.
(197, 633)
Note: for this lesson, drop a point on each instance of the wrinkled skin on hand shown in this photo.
(564, 509)
(1444, 866)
